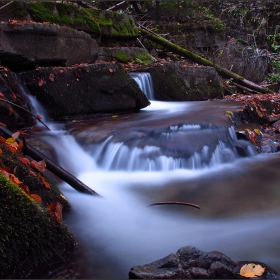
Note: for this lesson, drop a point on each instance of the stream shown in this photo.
(179, 151)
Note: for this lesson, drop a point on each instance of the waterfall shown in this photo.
(145, 83)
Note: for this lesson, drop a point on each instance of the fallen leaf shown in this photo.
(14, 96)
(1, 151)
(46, 184)
(32, 173)
(40, 82)
(2, 124)
(111, 70)
(15, 180)
(16, 134)
(55, 209)
(25, 189)
(38, 117)
(10, 112)
(36, 197)
(2, 95)
(24, 160)
(51, 77)
(2, 139)
(38, 165)
(251, 270)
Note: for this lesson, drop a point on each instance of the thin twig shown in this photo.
(176, 203)
(36, 117)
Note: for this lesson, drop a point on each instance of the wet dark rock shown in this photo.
(191, 263)
(85, 89)
(173, 82)
(26, 45)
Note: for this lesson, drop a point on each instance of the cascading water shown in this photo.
(168, 151)
(144, 81)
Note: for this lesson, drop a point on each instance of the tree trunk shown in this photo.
(200, 60)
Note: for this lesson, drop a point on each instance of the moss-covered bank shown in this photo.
(31, 240)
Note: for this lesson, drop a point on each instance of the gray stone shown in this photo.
(30, 44)
(85, 89)
(191, 263)
(173, 82)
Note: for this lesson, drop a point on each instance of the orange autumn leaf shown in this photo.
(251, 270)
(46, 184)
(1, 151)
(111, 70)
(25, 161)
(20, 146)
(55, 209)
(38, 165)
(2, 124)
(32, 173)
(38, 117)
(14, 96)
(36, 197)
(10, 112)
(15, 180)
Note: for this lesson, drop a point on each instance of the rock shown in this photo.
(85, 89)
(191, 263)
(12, 116)
(125, 54)
(25, 45)
(173, 82)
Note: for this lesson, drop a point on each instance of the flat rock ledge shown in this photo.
(191, 263)
(25, 45)
(85, 89)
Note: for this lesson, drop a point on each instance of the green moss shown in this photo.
(29, 238)
(145, 57)
(121, 56)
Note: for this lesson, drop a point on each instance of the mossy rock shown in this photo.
(95, 22)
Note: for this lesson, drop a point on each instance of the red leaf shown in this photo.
(25, 161)
(2, 139)
(1, 151)
(25, 189)
(38, 117)
(14, 96)
(55, 209)
(2, 124)
(51, 77)
(36, 197)
(32, 173)
(15, 180)
(46, 184)
(2, 95)
(40, 165)
(40, 82)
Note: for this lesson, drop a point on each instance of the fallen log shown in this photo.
(51, 166)
(200, 60)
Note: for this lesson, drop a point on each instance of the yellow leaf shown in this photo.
(114, 116)
(251, 270)
(230, 112)
(257, 131)
(10, 140)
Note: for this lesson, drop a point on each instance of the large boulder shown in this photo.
(191, 263)
(25, 45)
(173, 82)
(85, 89)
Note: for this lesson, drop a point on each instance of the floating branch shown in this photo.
(176, 203)
(36, 117)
